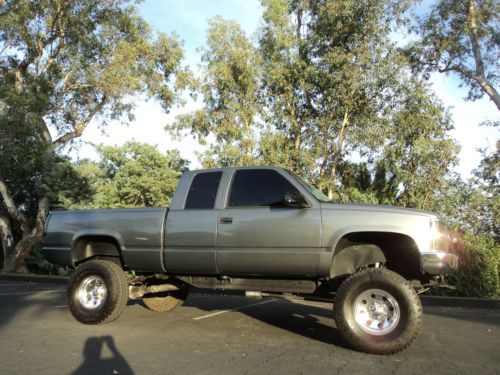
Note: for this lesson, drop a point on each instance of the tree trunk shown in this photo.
(338, 150)
(490, 91)
(6, 239)
(330, 193)
(480, 76)
(15, 260)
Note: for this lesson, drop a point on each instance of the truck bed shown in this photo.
(138, 231)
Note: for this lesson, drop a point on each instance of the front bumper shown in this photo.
(439, 262)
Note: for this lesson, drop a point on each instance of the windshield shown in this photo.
(311, 189)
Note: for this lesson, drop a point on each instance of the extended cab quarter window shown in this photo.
(203, 190)
(260, 187)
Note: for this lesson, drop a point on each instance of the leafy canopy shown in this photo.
(64, 64)
(230, 104)
(132, 175)
(461, 37)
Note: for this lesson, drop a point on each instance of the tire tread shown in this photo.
(165, 303)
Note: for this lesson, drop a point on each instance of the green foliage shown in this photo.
(36, 263)
(287, 75)
(461, 37)
(31, 170)
(82, 59)
(419, 153)
(474, 205)
(24, 159)
(359, 185)
(229, 88)
(487, 179)
(356, 81)
(62, 65)
(330, 86)
(133, 175)
(478, 274)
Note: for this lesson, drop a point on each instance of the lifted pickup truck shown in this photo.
(264, 231)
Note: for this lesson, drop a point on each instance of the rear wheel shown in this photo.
(377, 311)
(166, 301)
(97, 292)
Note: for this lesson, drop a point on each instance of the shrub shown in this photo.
(37, 263)
(478, 268)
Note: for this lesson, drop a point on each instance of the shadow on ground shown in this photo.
(95, 361)
(312, 322)
(35, 302)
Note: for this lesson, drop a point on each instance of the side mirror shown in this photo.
(290, 200)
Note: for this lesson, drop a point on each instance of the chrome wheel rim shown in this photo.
(376, 312)
(92, 292)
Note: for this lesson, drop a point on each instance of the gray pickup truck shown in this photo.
(264, 231)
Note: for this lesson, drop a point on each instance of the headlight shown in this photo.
(440, 236)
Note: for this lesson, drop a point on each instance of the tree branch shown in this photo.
(61, 34)
(340, 143)
(454, 68)
(80, 127)
(77, 132)
(76, 86)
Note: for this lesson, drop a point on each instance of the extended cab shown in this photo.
(261, 230)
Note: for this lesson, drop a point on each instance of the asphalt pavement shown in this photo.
(219, 334)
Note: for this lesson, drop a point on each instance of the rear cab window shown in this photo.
(203, 190)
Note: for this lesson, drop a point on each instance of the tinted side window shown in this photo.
(259, 187)
(203, 190)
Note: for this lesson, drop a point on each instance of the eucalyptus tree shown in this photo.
(414, 165)
(462, 37)
(64, 64)
(286, 92)
(229, 87)
(358, 79)
(419, 153)
(487, 181)
(329, 71)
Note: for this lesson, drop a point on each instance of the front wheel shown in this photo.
(97, 292)
(377, 311)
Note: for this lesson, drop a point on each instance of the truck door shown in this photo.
(257, 236)
(191, 231)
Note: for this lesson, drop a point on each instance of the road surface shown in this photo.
(217, 334)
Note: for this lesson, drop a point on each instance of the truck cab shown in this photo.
(249, 221)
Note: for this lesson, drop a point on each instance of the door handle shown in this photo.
(226, 220)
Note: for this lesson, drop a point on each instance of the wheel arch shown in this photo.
(87, 246)
(354, 250)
